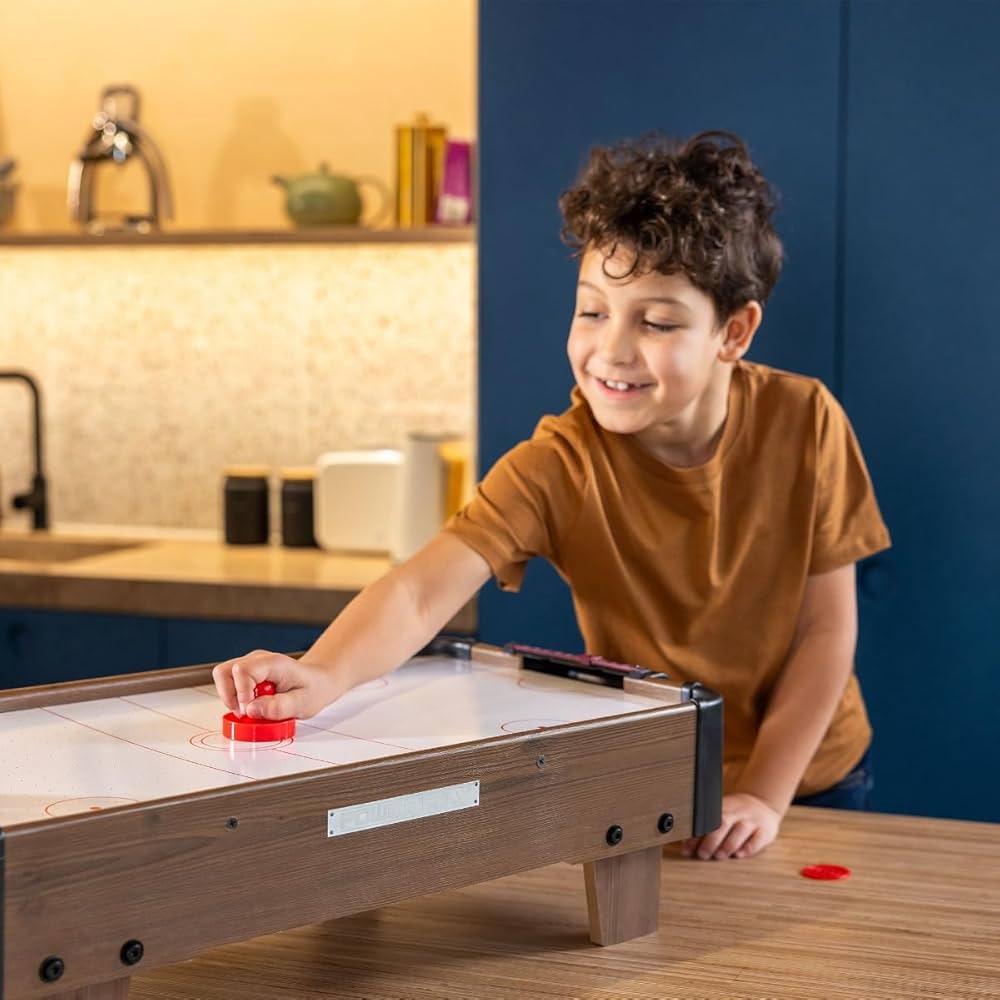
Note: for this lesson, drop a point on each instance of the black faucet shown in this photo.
(35, 499)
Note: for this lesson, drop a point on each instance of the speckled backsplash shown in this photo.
(161, 365)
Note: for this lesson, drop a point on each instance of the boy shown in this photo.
(707, 512)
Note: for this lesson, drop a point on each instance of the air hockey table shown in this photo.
(133, 834)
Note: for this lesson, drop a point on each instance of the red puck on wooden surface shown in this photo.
(825, 873)
(249, 730)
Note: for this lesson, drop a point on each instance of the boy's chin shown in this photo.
(617, 423)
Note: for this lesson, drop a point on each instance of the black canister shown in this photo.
(245, 505)
(297, 507)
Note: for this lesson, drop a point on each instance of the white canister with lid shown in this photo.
(423, 493)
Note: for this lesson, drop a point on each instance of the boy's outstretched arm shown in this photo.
(389, 621)
(798, 715)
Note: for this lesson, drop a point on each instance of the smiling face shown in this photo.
(651, 357)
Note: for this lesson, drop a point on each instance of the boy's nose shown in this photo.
(616, 346)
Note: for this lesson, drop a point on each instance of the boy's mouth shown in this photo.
(619, 387)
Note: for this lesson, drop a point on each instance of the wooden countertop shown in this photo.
(308, 235)
(184, 577)
(918, 918)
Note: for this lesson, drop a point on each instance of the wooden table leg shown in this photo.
(623, 895)
(117, 989)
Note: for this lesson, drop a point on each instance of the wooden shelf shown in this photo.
(237, 237)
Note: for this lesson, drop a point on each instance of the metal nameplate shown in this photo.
(401, 808)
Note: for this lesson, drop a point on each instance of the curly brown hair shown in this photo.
(699, 207)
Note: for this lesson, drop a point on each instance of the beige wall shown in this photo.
(161, 365)
(233, 90)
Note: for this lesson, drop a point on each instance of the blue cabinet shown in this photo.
(556, 78)
(877, 122)
(43, 647)
(191, 641)
(921, 369)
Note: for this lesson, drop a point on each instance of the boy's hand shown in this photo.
(301, 689)
(748, 825)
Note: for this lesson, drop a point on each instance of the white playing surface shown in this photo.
(96, 754)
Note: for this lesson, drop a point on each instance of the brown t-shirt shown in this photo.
(697, 571)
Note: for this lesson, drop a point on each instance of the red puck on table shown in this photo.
(825, 873)
(249, 730)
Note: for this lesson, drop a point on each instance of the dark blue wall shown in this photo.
(921, 378)
(559, 77)
(876, 122)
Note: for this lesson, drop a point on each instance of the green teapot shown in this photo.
(325, 199)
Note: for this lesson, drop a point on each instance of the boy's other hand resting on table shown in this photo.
(302, 689)
(748, 825)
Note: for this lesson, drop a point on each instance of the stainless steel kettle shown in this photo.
(115, 137)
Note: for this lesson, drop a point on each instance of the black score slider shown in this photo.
(580, 666)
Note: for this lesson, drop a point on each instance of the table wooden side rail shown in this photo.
(121, 685)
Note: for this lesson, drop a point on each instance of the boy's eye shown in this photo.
(660, 327)
(588, 314)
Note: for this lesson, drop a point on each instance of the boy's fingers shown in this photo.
(222, 675)
(249, 671)
(244, 681)
(755, 844)
(281, 670)
(710, 842)
(690, 846)
(275, 706)
(738, 835)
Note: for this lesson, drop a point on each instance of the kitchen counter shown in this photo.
(191, 577)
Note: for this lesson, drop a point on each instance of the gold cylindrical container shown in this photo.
(419, 171)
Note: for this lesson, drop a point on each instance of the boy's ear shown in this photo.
(738, 331)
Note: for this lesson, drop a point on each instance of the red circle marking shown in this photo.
(825, 873)
(83, 803)
(215, 740)
(528, 725)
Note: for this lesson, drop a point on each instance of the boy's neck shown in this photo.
(693, 438)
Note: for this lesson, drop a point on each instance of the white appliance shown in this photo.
(356, 501)
(388, 500)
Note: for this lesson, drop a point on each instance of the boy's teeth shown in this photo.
(621, 386)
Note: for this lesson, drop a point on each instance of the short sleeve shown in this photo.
(848, 524)
(524, 505)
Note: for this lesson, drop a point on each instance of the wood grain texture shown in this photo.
(180, 876)
(119, 686)
(117, 990)
(184, 577)
(919, 919)
(246, 237)
(623, 895)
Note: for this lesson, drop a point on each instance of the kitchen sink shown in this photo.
(53, 549)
